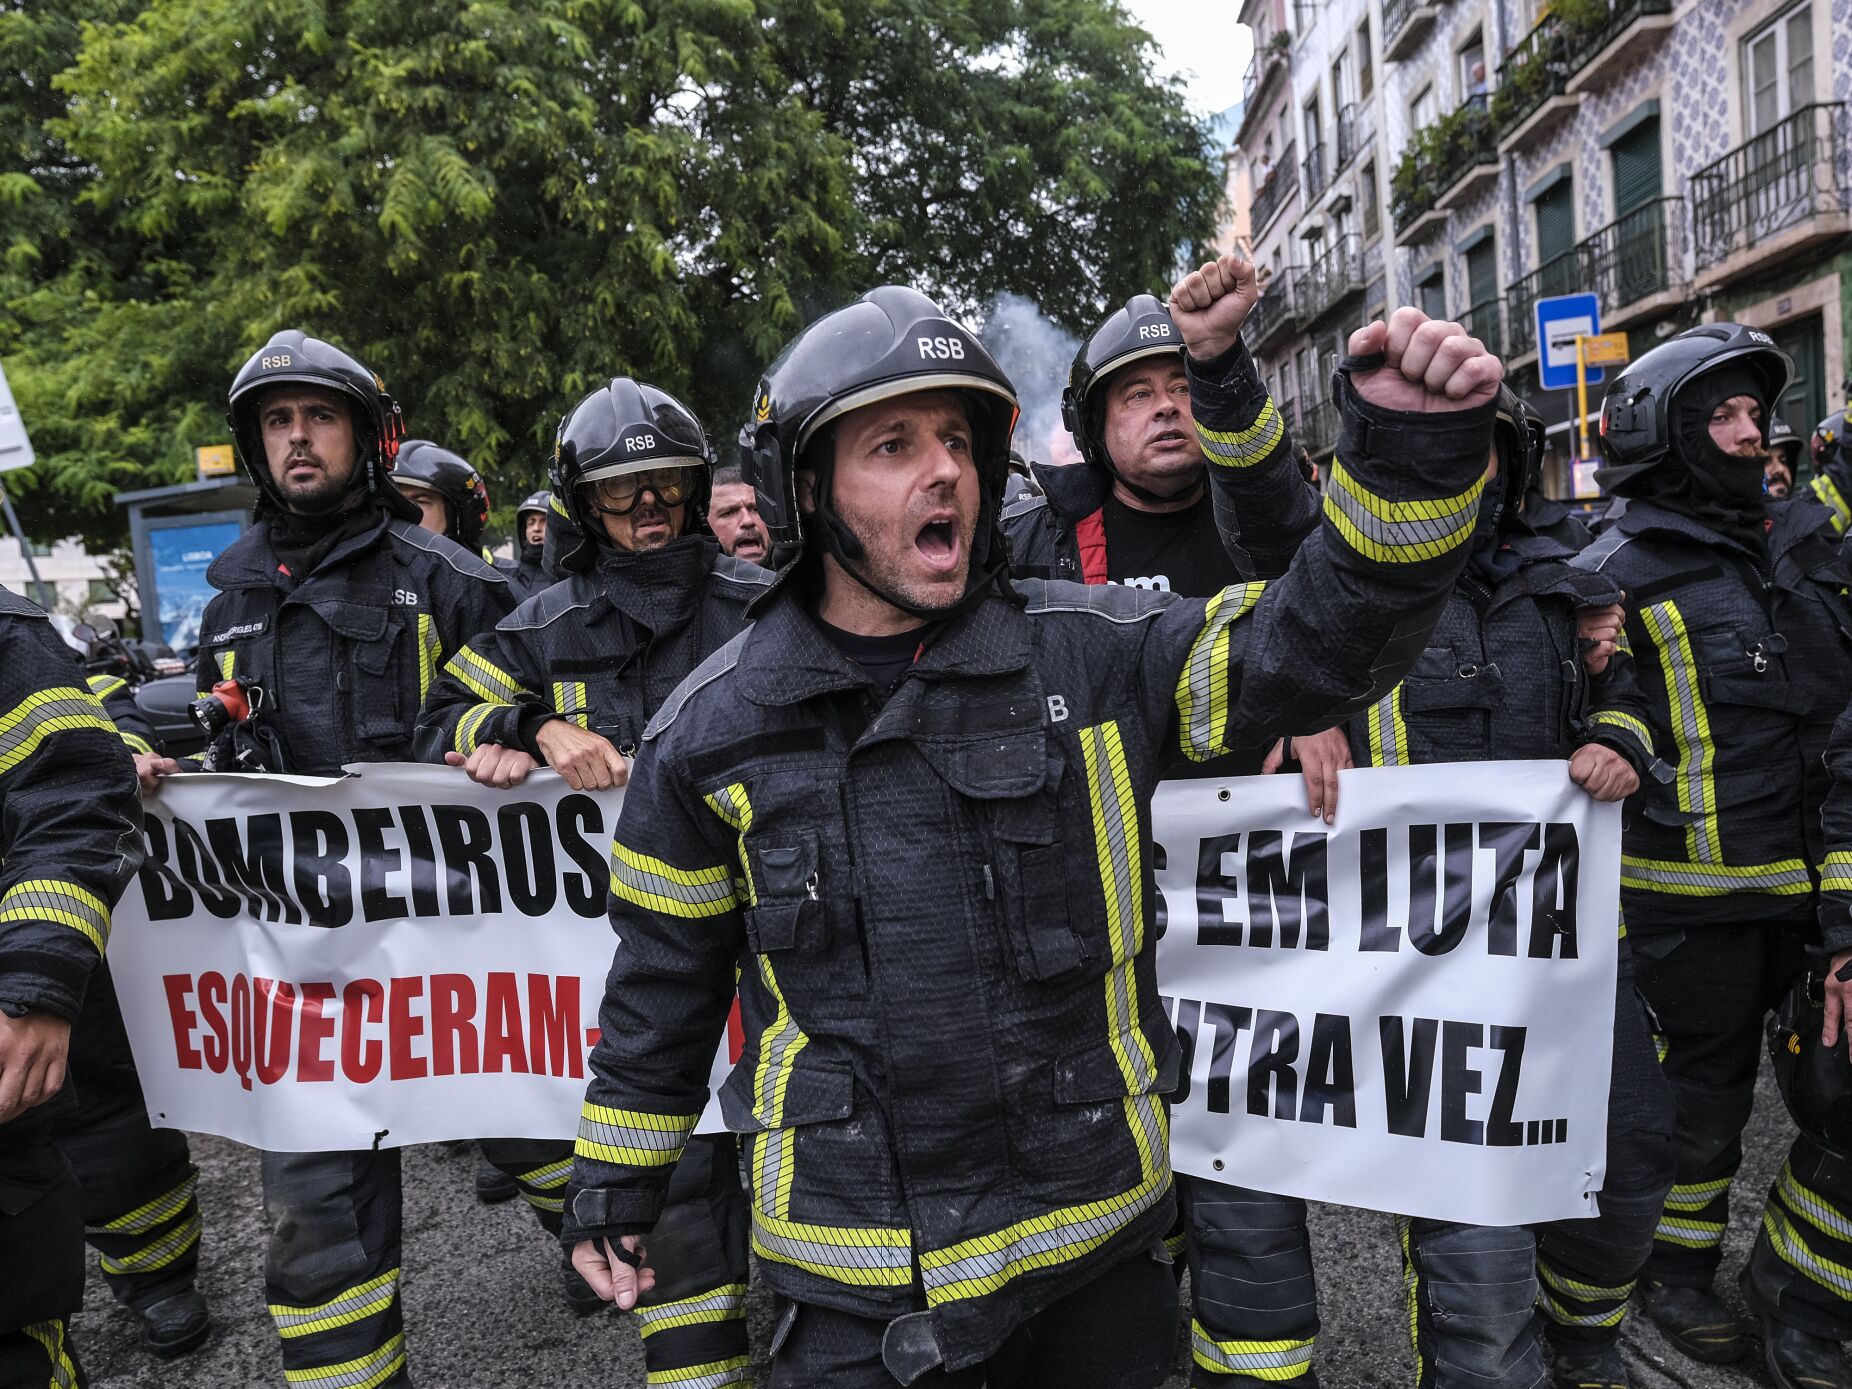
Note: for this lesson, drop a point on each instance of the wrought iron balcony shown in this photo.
(1559, 275)
(1486, 321)
(1347, 132)
(1532, 73)
(1439, 157)
(1790, 175)
(1331, 279)
(1269, 58)
(1635, 256)
(1588, 41)
(1272, 195)
(1317, 173)
(1274, 312)
(1405, 23)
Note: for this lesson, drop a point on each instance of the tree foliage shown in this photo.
(496, 205)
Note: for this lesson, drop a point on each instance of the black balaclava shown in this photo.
(1720, 491)
(1489, 560)
(529, 552)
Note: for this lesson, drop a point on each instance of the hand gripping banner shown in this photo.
(1410, 1010)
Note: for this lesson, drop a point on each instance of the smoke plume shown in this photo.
(1036, 355)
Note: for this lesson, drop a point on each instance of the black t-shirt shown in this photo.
(883, 659)
(1175, 551)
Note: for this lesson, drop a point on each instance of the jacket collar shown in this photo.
(250, 562)
(1644, 517)
(788, 659)
(1074, 491)
(659, 590)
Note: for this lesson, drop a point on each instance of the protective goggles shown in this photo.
(619, 496)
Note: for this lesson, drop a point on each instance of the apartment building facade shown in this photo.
(1684, 160)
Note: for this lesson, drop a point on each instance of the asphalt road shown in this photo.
(482, 1305)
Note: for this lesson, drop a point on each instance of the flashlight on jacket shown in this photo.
(227, 704)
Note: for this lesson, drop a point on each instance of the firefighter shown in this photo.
(1738, 620)
(70, 840)
(1832, 470)
(339, 610)
(449, 493)
(570, 680)
(910, 802)
(733, 515)
(524, 572)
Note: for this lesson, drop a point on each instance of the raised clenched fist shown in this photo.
(1210, 305)
(1429, 364)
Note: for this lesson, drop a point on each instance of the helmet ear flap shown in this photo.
(391, 430)
(1070, 412)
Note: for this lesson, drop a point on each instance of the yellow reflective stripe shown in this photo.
(137, 744)
(1623, 643)
(1586, 1292)
(1794, 1251)
(363, 1372)
(1274, 1361)
(159, 1211)
(734, 808)
(1812, 1207)
(485, 679)
(632, 1137)
(1242, 448)
(1787, 878)
(1836, 872)
(469, 726)
(52, 1340)
(429, 649)
(981, 1266)
(1388, 731)
(159, 1253)
(1406, 532)
(1626, 723)
(1202, 684)
(859, 1257)
(661, 887)
(61, 709)
(570, 701)
(1695, 1196)
(1567, 1316)
(1691, 730)
(779, 1046)
(1176, 1245)
(1834, 500)
(67, 904)
(551, 1175)
(228, 662)
(714, 1374)
(103, 686)
(1411, 1291)
(722, 1304)
(343, 1309)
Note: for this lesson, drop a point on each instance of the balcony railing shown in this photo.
(1347, 136)
(1272, 195)
(1268, 57)
(1404, 22)
(1318, 426)
(1317, 174)
(1439, 156)
(1486, 321)
(1559, 275)
(1274, 312)
(1634, 257)
(1329, 280)
(1531, 74)
(1790, 173)
(1585, 41)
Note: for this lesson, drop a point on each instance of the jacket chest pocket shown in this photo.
(802, 913)
(385, 684)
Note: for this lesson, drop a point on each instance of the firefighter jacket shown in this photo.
(70, 818)
(1744, 661)
(1836, 831)
(346, 656)
(1062, 534)
(525, 577)
(1502, 676)
(602, 649)
(1832, 487)
(939, 906)
(1559, 522)
(119, 703)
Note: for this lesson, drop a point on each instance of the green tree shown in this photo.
(497, 205)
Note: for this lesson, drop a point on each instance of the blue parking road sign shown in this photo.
(1560, 320)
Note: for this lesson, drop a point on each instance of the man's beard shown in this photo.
(319, 497)
(884, 565)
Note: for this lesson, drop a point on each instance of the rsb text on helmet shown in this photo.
(942, 349)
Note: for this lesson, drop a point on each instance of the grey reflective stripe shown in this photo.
(48, 716)
(821, 1257)
(1204, 712)
(1696, 1196)
(1812, 1208)
(771, 1154)
(484, 677)
(160, 1253)
(1563, 1316)
(1586, 1292)
(375, 1367)
(630, 872)
(727, 1304)
(1128, 894)
(1240, 447)
(356, 1304)
(553, 1174)
(1295, 1355)
(1793, 1250)
(1691, 725)
(667, 1139)
(995, 1264)
(156, 1212)
(1715, 876)
(1425, 536)
(716, 1375)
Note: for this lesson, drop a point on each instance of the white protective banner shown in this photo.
(1411, 1009)
(396, 956)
